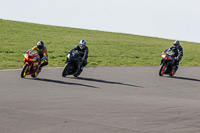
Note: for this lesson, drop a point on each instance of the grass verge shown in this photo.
(105, 48)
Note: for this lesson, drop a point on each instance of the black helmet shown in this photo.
(40, 45)
(176, 43)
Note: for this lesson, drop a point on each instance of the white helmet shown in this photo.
(82, 44)
(176, 43)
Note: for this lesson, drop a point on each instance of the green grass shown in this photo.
(105, 48)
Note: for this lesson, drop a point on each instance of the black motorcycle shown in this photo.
(72, 64)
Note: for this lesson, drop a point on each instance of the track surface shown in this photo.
(102, 100)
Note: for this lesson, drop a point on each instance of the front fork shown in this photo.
(29, 66)
(166, 65)
(161, 61)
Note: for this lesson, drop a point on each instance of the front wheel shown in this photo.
(162, 70)
(66, 70)
(24, 71)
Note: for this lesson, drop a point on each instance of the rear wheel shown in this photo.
(162, 70)
(35, 74)
(172, 72)
(76, 74)
(66, 70)
(24, 71)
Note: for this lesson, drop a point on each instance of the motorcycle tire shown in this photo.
(171, 74)
(76, 74)
(161, 72)
(66, 70)
(24, 71)
(35, 74)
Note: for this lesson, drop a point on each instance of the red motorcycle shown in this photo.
(31, 64)
(167, 64)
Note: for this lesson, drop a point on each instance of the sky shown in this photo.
(170, 19)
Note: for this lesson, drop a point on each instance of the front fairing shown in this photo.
(73, 57)
(167, 56)
(31, 56)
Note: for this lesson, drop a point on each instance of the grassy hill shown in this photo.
(105, 48)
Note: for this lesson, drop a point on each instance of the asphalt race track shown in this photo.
(101, 100)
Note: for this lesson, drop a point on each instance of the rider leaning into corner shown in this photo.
(42, 51)
(83, 52)
(178, 50)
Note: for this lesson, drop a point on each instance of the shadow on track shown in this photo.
(184, 78)
(107, 82)
(61, 82)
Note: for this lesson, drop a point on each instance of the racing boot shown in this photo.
(40, 66)
(173, 70)
(78, 72)
(39, 70)
(176, 68)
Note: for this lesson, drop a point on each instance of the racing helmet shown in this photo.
(40, 45)
(176, 43)
(82, 44)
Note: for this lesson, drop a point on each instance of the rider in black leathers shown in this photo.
(83, 52)
(178, 50)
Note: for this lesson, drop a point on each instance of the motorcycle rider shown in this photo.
(42, 51)
(83, 52)
(178, 50)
